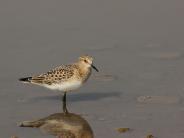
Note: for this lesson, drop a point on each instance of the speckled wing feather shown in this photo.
(56, 75)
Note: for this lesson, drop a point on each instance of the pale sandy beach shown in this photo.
(137, 46)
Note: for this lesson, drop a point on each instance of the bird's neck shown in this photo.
(84, 71)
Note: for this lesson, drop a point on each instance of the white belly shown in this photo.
(65, 86)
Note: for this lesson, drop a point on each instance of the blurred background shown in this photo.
(137, 45)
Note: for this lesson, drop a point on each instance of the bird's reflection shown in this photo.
(62, 125)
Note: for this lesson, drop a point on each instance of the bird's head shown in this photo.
(87, 61)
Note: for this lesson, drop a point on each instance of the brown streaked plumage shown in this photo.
(57, 75)
(66, 77)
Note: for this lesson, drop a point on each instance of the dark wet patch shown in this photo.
(158, 99)
(79, 96)
(149, 136)
(123, 129)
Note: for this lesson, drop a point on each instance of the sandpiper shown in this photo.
(65, 77)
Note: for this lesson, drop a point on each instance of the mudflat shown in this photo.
(137, 46)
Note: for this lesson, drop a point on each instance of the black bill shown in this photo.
(94, 68)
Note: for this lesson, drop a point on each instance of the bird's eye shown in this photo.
(85, 61)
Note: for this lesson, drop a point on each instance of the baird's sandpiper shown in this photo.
(65, 77)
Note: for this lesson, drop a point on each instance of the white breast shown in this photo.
(65, 86)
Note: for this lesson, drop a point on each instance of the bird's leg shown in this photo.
(64, 104)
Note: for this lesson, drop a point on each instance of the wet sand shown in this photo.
(138, 47)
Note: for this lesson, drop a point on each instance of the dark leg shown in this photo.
(64, 104)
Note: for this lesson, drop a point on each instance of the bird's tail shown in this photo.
(26, 80)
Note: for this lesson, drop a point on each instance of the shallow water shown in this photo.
(138, 43)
